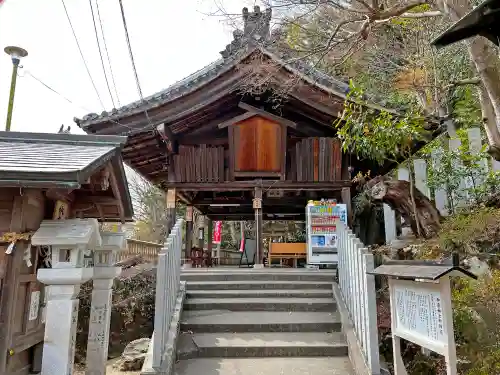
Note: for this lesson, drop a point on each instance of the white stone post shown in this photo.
(440, 194)
(100, 310)
(420, 167)
(403, 174)
(68, 241)
(475, 146)
(460, 197)
(62, 316)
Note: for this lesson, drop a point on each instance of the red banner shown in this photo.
(217, 237)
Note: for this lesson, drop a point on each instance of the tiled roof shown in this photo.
(52, 158)
(207, 74)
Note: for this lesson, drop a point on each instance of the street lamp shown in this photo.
(15, 53)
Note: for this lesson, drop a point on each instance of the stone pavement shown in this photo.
(260, 322)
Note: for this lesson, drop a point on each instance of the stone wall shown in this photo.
(132, 313)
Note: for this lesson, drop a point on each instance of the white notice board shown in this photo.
(419, 317)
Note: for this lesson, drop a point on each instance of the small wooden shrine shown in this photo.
(237, 155)
(47, 176)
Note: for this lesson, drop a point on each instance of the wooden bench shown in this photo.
(279, 250)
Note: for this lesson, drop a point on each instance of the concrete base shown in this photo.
(287, 324)
(219, 321)
(268, 366)
(257, 266)
(262, 344)
(262, 304)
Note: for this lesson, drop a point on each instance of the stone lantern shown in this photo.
(68, 241)
(100, 311)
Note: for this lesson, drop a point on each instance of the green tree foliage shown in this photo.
(377, 134)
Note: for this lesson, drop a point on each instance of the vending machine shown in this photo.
(321, 226)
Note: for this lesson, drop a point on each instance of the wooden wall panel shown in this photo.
(269, 151)
(245, 141)
(257, 145)
(316, 159)
(199, 164)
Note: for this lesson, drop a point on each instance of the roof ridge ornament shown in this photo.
(256, 29)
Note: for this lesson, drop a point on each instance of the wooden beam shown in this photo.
(268, 115)
(250, 217)
(189, 231)
(257, 205)
(250, 185)
(210, 229)
(243, 201)
(171, 199)
(201, 231)
(183, 198)
(113, 182)
(65, 195)
(236, 119)
(346, 199)
(96, 199)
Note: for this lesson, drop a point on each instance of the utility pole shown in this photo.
(15, 53)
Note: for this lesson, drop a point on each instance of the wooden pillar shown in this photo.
(171, 199)
(257, 206)
(189, 232)
(201, 232)
(210, 229)
(346, 199)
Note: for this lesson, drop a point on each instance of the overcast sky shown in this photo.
(170, 40)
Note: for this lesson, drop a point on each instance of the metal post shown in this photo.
(11, 95)
(16, 54)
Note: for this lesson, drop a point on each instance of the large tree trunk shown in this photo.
(396, 194)
(483, 55)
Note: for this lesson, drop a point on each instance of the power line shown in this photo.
(107, 53)
(133, 61)
(130, 50)
(26, 72)
(100, 53)
(81, 54)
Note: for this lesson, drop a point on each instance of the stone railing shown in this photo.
(147, 250)
(357, 289)
(168, 286)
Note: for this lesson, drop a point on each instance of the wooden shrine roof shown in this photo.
(61, 161)
(190, 111)
(482, 20)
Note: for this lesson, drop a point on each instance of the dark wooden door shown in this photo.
(21, 307)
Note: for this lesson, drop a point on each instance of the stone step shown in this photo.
(214, 321)
(261, 293)
(254, 285)
(269, 366)
(262, 304)
(275, 344)
(264, 274)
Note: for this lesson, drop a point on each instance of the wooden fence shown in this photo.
(441, 194)
(147, 250)
(358, 293)
(316, 159)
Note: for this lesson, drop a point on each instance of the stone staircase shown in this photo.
(260, 322)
